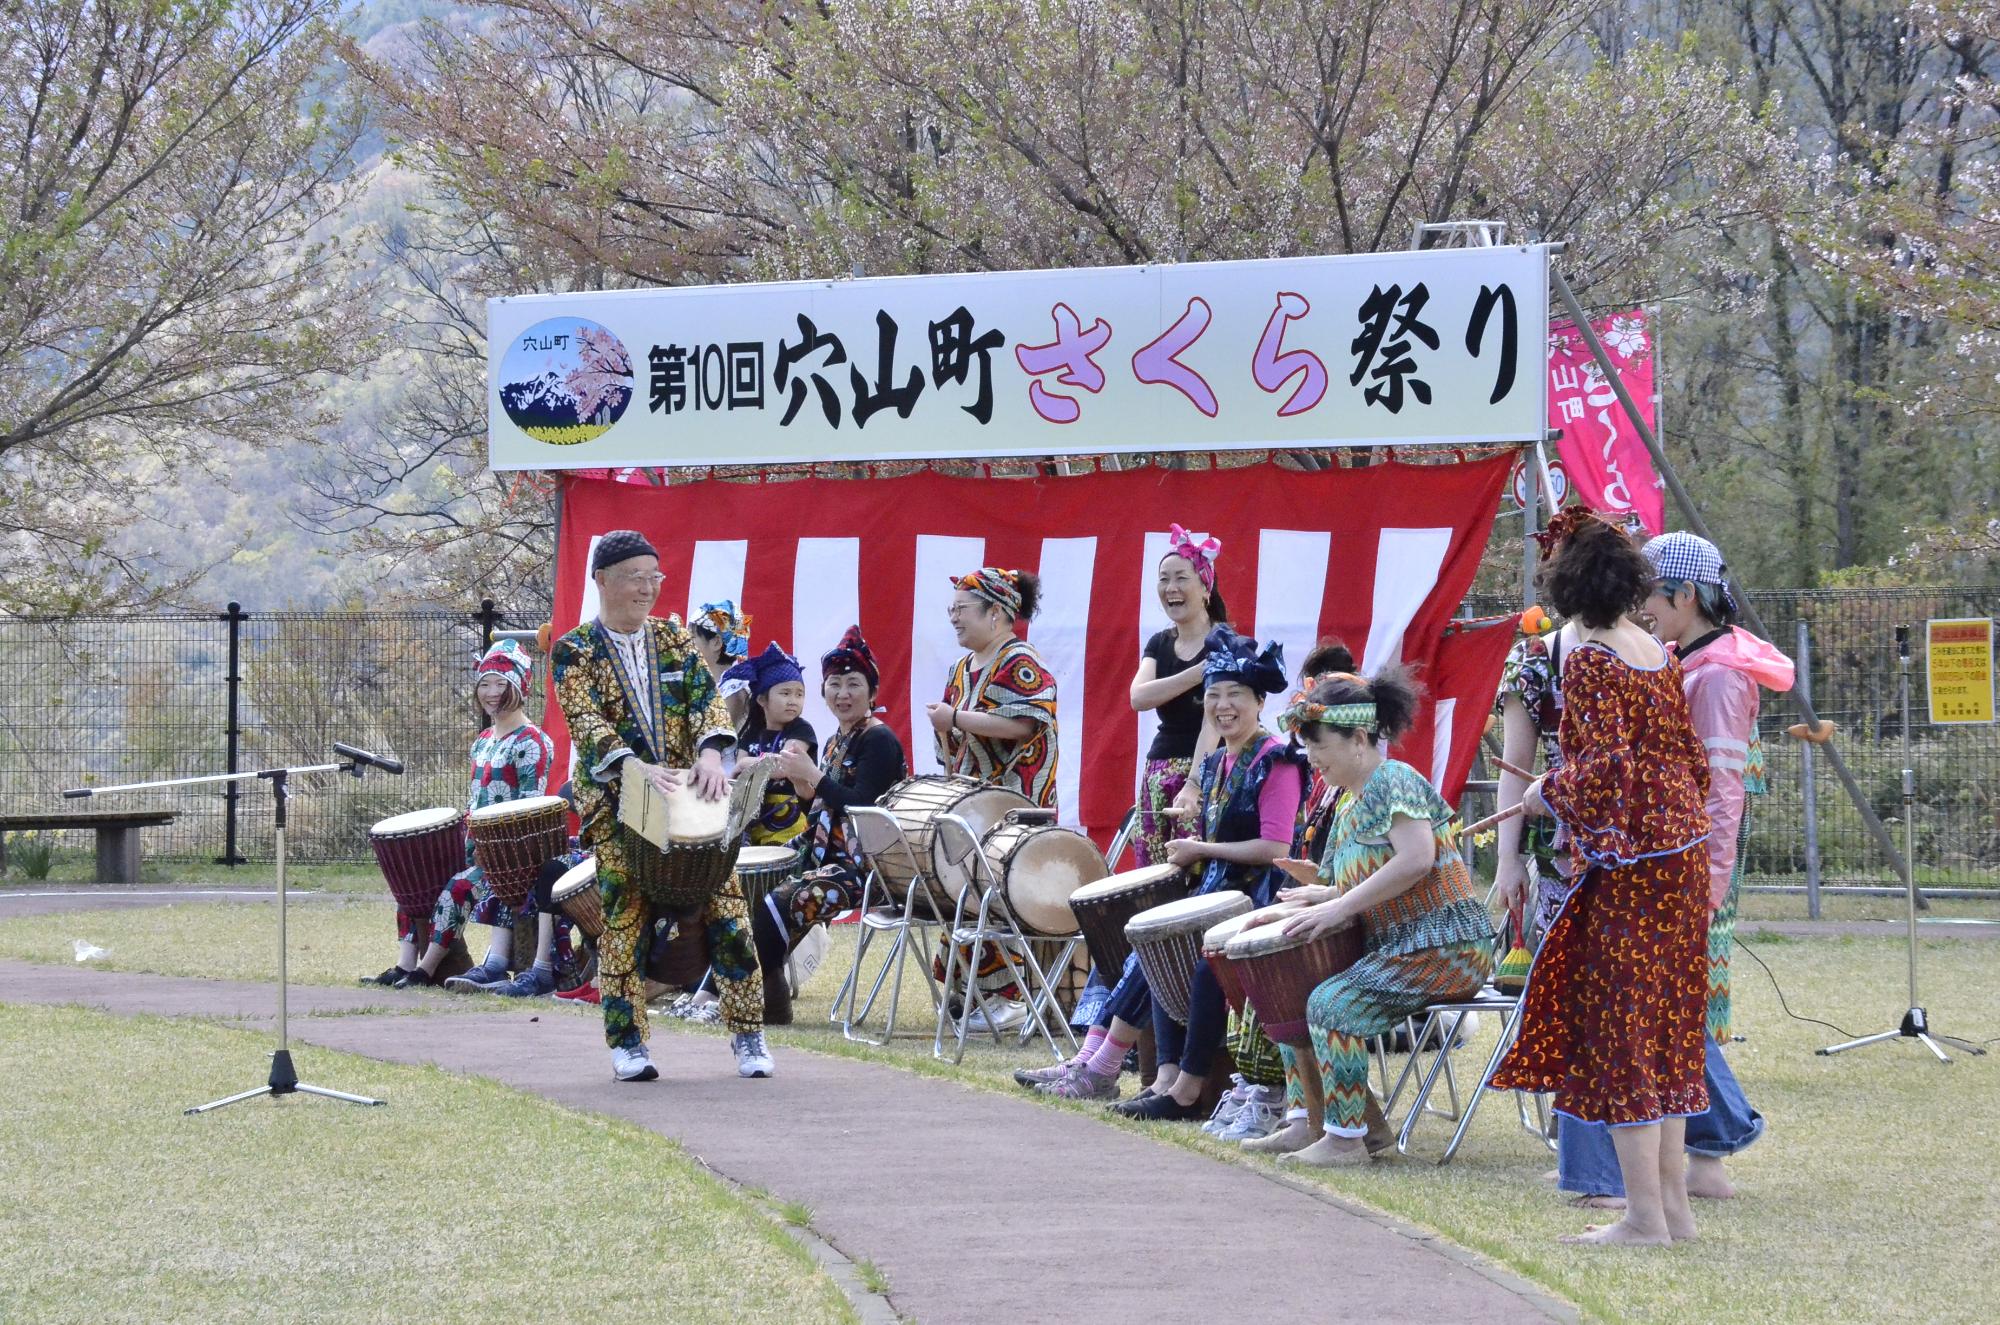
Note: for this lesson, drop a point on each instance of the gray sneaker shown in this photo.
(1080, 1083)
(1031, 1077)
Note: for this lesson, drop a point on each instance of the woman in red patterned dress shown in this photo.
(1615, 1009)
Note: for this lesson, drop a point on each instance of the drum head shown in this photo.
(692, 819)
(574, 880)
(982, 807)
(1188, 914)
(1120, 883)
(1216, 937)
(416, 821)
(1262, 942)
(527, 805)
(765, 858)
(1040, 866)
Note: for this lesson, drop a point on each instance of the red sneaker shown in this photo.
(580, 994)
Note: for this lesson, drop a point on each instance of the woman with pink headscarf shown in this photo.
(1168, 683)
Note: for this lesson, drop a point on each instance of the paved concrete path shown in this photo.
(16, 903)
(976, 1206)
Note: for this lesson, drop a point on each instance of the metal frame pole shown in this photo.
(233, 733)
(1876, 829)
(1808, 784)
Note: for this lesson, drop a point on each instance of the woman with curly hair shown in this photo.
(1614, 1012)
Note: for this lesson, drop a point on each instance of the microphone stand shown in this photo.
(1916, 1023)
(284, 1078)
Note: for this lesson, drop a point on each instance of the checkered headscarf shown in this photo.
(1691, 559)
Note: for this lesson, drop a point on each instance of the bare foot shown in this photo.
(1708, 1180)
(1293, 1136)
(1621, 1234)
(1588, 1202)
(1330, 1152)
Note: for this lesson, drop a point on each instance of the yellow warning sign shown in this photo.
(1960, 668)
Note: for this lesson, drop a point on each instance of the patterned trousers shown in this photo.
(628, 931)
(1163, 782)
(1722, 944)
(468, 897)
(1372, 997)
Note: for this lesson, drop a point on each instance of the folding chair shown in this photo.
(964, 869)
(877, 835)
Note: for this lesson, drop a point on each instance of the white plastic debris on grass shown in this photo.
(86, 951)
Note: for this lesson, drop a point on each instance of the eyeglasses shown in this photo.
(651, 579)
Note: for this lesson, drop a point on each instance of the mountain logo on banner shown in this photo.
(565, 380)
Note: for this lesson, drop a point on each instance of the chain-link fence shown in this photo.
(98, 701)
(102, 700)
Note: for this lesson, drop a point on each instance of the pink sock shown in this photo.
(1109, 1060)
(1091, 1039)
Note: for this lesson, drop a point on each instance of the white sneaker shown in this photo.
(996, 1014)
(633, 1065)
(1228, 1107)
(753, 1059)
(806, 958)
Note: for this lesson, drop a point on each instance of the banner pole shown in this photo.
(1683, 500)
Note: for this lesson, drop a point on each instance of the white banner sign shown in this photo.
(1440, 347)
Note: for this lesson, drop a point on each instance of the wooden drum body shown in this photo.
(679, 848)
(915, 803)
(418, 853)
(1168, 941)
(1102, 908)
(513, 840)
(575, 895)
(1280, 972)
(1037, 866)
(1214, 951)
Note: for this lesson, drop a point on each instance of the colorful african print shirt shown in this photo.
(1439, 908)
(1530, 676)
(507, 768)
(1016, 685)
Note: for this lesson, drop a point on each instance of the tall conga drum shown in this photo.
(1280, 971)
(1102, 908)
(1168, 941)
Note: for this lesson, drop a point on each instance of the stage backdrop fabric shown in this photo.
(1380, 556)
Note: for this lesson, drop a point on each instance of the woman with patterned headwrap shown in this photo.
(1248, 802)
(997, 723)
(1169, 683)
(722, 638)
(862, 760)
(1392, 864)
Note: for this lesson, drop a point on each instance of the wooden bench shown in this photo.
(117, 836)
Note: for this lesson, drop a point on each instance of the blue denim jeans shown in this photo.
(1587, 1163)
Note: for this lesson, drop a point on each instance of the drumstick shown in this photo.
(1515, 769)
(1492, 819)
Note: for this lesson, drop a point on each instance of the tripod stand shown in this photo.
(1915, 1024)
(284, 1079)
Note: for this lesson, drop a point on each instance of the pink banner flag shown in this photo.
(1605, 456)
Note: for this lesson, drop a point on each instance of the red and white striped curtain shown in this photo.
(1380, 556)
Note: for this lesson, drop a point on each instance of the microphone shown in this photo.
(364, 757)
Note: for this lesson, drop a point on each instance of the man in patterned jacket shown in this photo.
(633, 690)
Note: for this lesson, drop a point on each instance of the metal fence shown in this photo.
(96, 701)
(100, 700)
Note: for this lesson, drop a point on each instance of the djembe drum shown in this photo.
(514, 839)
(1214, 951)
(679, 848)
(1168, 941)
(1037, 867)
(1102, 908)
(418, 853)
(760, 869)
(575, 895)
(1280, 971)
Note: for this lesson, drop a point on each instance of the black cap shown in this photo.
(620, 545)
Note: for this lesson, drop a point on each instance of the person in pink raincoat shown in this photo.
(1725, 670)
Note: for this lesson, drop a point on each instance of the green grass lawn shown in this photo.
(461, 1201)
(1870, 1199)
